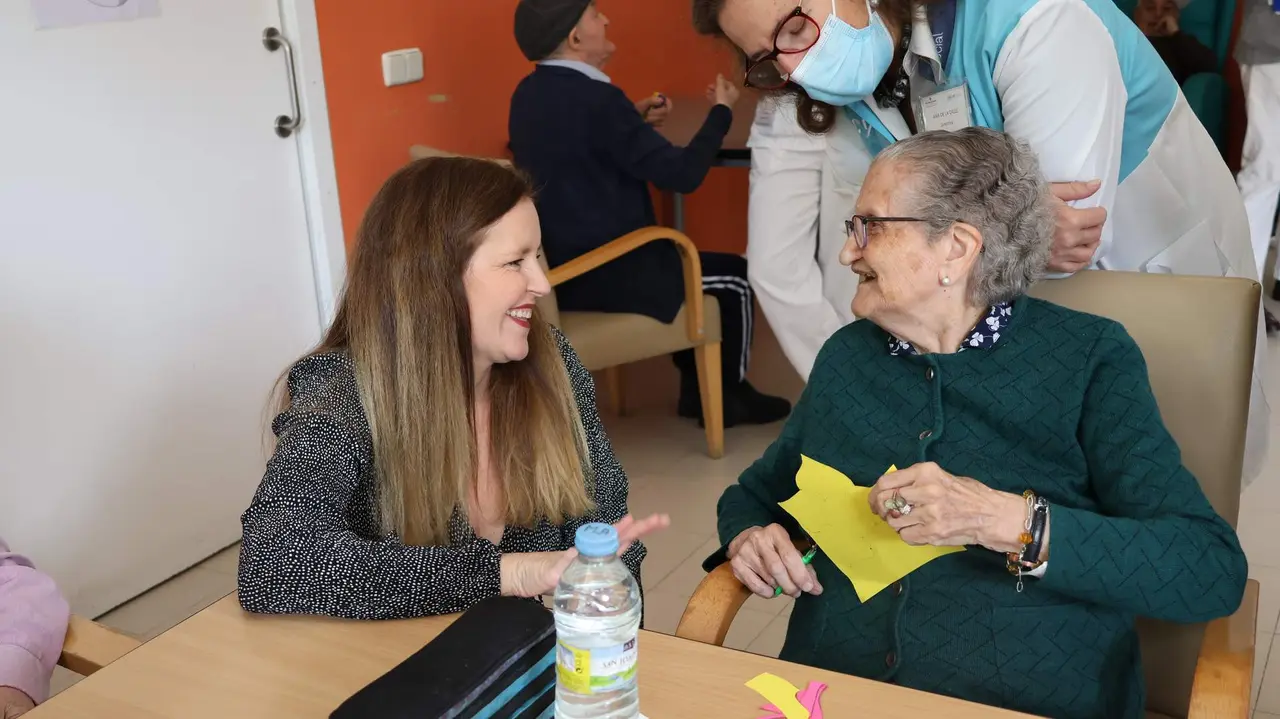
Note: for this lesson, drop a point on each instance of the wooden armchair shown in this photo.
(1198, 336)
(606, 341)
(89, 646)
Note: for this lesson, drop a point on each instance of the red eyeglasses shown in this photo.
(795, 34)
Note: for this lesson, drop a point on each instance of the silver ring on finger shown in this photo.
(905, 508)
(895, 503)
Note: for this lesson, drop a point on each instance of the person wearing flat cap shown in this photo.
(592, 153)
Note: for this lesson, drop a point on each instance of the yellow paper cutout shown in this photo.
(780, 693)
(837, 515)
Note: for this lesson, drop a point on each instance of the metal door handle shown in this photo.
(273, 40)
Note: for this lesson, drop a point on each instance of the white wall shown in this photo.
(155, 278)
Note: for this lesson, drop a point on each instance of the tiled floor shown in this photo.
(670, 472)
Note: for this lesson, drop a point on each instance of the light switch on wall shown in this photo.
(401, 66)
(413, 59)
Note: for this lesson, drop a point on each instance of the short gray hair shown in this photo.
(991, 181)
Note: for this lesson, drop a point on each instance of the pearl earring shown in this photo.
(946, 281)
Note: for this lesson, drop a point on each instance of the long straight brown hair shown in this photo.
(404, 320)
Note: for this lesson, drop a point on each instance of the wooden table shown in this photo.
(224, 662)
(686, 118)
(689, 112)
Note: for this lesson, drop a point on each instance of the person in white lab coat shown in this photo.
(1258, 53)
(1074, 79)
(803, 188)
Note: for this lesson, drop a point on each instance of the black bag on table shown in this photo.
(497, 661)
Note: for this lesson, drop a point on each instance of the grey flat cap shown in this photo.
(541, 25)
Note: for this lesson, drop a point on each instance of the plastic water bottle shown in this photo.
(597, 609)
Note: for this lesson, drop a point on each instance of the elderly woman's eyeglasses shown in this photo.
(795, 34)
(858, 225)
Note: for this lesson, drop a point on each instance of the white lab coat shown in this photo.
(803, 188)
(1259, 177)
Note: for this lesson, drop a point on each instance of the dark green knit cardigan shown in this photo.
(1062, 405)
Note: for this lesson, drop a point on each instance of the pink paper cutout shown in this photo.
(810, 698)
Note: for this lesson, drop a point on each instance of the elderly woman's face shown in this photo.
(899, 268)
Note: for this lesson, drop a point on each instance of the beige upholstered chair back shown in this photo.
(1198, 335)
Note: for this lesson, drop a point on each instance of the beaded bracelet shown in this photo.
(1031, 539)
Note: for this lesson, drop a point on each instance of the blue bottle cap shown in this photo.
(596, 540)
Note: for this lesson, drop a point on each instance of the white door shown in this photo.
(155, 279)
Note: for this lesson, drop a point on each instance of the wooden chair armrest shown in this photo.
(712, 607)
(714, 604)
(89, 646)
(1224, 671)
(689, 259)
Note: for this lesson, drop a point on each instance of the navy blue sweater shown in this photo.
(591, 156)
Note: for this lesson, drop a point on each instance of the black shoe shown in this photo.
(690, 404)
(759, 408)
(743, 404)
(1273, 325)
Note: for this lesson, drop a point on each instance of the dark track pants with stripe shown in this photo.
(724, 276)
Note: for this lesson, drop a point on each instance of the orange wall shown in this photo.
(470, 57)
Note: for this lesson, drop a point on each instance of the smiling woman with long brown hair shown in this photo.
(442, 443)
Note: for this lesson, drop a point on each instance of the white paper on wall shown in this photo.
(68, 13)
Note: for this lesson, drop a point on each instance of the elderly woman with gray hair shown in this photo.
(1026, 433)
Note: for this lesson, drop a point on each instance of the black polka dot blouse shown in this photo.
(311, 539)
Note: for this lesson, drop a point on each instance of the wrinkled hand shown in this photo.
(655, 109)
(949, 511)
(533, 574)
(763, 558)
(14, 703)
(723, 92)
(1078, 231)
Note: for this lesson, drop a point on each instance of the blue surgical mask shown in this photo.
(847, 63)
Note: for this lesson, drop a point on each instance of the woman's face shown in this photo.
(502, 283)
(900, 269)
(751, 25)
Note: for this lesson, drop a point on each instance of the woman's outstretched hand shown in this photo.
(763, 558)
(631, 529)
(532, 574)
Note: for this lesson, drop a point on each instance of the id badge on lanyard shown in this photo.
(945, 109)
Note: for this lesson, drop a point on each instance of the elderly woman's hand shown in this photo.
(949, 511)
(1078, 231)
(13, 703)
(763, 558)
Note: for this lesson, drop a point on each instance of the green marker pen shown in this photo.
(808, 557)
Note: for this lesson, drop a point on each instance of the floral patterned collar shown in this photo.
(985, 334)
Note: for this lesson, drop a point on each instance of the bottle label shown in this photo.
(596, 670)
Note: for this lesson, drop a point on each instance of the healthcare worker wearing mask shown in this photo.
(802, 186)
(1075, 79)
